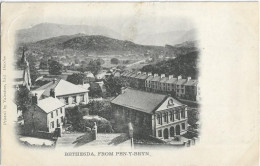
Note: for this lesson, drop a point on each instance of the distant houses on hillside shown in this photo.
(184, 88)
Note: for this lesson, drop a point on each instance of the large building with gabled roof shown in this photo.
(150, 113)
(69, 93)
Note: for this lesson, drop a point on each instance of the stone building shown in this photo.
(187, 89)
(45, 115)
(150, 113)
(70, 94)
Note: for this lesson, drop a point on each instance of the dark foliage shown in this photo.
(55, 68)
(114, 61)
(193, 117)
(185, 65)
(114, 85)
(94, 66)
(76, 78)
(23, 99)
(95, 90)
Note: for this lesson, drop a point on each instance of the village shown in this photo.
(111, 106)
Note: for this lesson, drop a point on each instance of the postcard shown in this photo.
(130, 83)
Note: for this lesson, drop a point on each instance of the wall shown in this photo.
(54, 119)
(70, 97)
(35, 119)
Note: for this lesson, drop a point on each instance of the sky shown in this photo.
(121, 17)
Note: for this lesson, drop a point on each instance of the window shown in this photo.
(82, 98)
(61, 119)
(66, 100)
(58, 124)
(183, 126)
(52, 124)
(165, 117)
(182, 114)
(159, 133)
(52, 115)
(178, 115)
(74, 99)
(171, 117)
(57, 113)
(61, 110)
(159, 119)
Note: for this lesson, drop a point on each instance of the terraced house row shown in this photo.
(184, 88)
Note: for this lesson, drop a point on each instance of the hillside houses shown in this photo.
(184, 88)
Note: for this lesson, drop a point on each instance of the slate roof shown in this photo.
(191, 83)
(143, 77)
(49, 104)
(139, 100)
(149, 78)
(164, 79)
(157, 78)
(172, 80)
(61, 88)
(181, 81)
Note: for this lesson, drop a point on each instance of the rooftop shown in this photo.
(61, 88)
(49, 104)
(139, 100)
(156, 78)
(164, 79)
(191, 83)
(181, 81)
(172, 80)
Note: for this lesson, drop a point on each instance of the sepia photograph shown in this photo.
(85, 85)
(130, 83)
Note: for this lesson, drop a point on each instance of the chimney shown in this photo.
(170, 76)
(179, 77)
(52, 93)
(54, 80)
(94, 130)
(35, 99)
(155, 75)
(189, 78)
(162, 75)
(149, 74)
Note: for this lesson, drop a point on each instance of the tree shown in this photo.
(94, 66)
(34, 74)
(95, 90)
(43, 64)
(101, 61)
(55, 68)
(76, 78)
(114, 85)
(23, 99)
(114, 61)
(193, 117)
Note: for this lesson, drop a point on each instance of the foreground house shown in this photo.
(151, 114)
(44, 116)
(70, 94)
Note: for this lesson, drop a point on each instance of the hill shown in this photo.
(82, 44)
(49, 30)
(181, 49)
